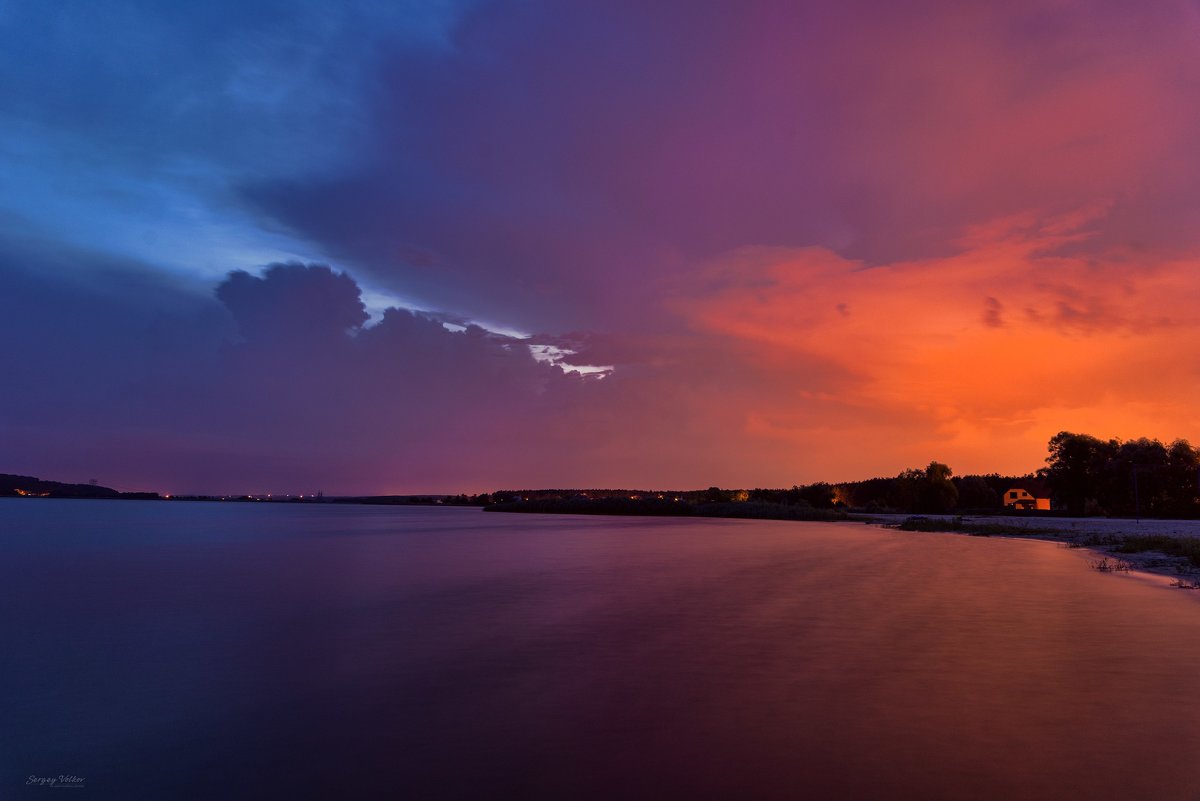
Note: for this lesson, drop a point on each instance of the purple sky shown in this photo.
(786, 241)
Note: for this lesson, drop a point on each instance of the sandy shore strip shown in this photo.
(1109, 540)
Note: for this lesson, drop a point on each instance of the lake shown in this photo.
(208, 650)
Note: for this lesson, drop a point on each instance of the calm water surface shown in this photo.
(189, 650)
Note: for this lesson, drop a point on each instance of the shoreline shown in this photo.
(1168, 550)
(1118, 545)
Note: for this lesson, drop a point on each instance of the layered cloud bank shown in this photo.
(979, 356)
(787, 365)
(811, 241)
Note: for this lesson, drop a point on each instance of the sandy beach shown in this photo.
(1097, 537)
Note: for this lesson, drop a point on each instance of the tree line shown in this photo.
(1083, 475)
(1143, 476)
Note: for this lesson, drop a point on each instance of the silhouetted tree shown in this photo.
(1182, 480)
(928, 491)
(819, 495)
(905, 493)
(1074, 468)
(938, 494)
(974, 492)
(1133, 477)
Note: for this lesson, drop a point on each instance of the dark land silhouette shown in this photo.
(1083, 476)
(30, 486)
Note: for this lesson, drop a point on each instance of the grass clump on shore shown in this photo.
(1110, 564)
(960, 526)
(1185, 547)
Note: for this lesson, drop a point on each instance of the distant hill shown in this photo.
(30, 486)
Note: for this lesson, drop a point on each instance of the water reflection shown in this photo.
(332, 651)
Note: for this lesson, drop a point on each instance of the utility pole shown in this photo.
(1137, 499)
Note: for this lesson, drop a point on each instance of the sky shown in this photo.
(456, 246)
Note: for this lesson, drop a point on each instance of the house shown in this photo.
(1021, 498)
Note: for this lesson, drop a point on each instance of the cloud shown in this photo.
(274, 383)
(561, 168)
(127, 127)
(293, 301)
(993, 309)
(271, 383)
(1097, 342)
(813, 241)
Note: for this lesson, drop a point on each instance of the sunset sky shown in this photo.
(632, 244)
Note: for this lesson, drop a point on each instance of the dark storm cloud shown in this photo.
(293, 301)
(563, 166)
(274, 384)
(270, 383)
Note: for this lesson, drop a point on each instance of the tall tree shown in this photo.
(1075, 466)
(974, 492)
(904, 495)
(1182, 480)
(1133, 478)
(938, 493)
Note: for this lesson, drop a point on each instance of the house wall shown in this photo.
(1025, 500)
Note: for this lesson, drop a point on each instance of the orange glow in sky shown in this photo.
(977, 357)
